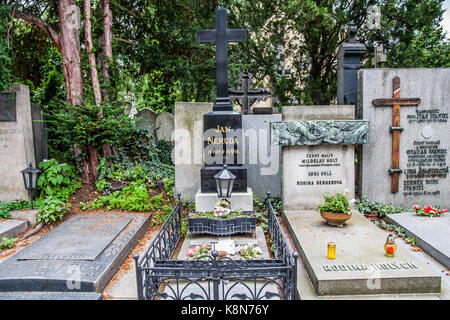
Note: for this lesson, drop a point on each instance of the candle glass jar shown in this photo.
(331, 250)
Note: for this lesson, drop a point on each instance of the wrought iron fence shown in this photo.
(213, 277)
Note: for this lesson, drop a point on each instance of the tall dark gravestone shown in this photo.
(222, 127)
(349, 62)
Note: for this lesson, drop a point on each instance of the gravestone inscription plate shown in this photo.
(7, 107)
(423, 151)
(311, 168)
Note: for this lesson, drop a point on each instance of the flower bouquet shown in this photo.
(198, 252)
(429, 211)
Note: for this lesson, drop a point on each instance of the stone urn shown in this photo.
(335, 219)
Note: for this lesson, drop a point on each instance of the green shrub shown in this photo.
(52, 209)
(7, 243)
(57, 183)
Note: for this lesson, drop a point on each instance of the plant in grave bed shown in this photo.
(429, 211)
(250, 252)
(375, 209)
(335, 209)
(7, 243)
(199, 252)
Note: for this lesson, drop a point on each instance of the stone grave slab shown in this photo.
(81, 238)
(414, 169)
(10, 228)
(431, 234)
(51, 273)
(361, 266)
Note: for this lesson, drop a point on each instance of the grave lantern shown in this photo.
(224, 182)
(30, 180)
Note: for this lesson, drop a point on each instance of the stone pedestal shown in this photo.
(239, 201)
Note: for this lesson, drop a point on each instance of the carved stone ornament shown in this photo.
(317, 132)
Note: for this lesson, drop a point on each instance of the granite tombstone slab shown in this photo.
(81, 238)
(7, 107)
(78, 264)
(310, 171)
(422, 155)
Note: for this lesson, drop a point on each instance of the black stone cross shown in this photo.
(221, 36)
(246, 95)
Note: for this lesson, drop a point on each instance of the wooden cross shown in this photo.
(221, 36)
(246, 94)
(396, 102)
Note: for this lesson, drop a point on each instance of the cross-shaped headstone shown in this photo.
(379, 56)
(248, 97)
(221, 36)
(396, 102)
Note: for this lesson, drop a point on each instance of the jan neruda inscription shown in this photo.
(319, 169)
(426, 166)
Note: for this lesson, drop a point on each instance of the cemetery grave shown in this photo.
(183, 205)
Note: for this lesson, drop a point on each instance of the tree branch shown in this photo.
(44, 26)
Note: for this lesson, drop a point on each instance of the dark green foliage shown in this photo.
(7, 207)
(5, 50)
(57, 183)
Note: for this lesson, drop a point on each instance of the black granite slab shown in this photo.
(7, 107)
(51, 275)
(208, 183)
(222, 138)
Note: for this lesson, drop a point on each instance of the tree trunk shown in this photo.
(91, 55)
(105, 57)
(70, 49)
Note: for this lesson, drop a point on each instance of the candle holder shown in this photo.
(390, 246)
(331, 250)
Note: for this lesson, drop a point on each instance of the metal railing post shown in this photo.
(140, 289)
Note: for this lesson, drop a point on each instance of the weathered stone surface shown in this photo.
(319, 132)
(262, 159)
(311, 171)
(430, 234)
(165, 126)
(82, 237)
(361, 266)
(16, 148)
(52, 275)
(424, 153)
(146, 119)
(188, 149)
(10, 228)
(28, 215)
